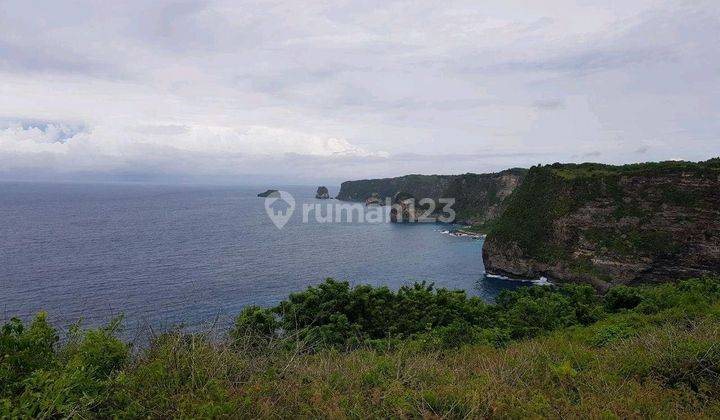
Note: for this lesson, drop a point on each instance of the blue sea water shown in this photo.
(170, 255)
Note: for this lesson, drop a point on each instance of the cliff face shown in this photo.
(479, 197)
(609, 225)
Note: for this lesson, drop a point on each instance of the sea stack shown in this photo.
(322, 193)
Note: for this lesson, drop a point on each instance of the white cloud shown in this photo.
(314, 90)
(151, 148)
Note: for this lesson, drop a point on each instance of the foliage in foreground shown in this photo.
(334, 314)
(338, 351)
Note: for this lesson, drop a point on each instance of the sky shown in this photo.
(320, 92)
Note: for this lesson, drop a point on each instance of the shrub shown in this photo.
(609, 334)
(97, 351)
(455, 335)
(25, 350)
(47, 382)
(622, 297)
(527, 312)
(254, 325)
(335, 314)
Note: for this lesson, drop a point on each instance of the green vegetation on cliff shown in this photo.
(337, 351)
(478, 197)
(645, 220)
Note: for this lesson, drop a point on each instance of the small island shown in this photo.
(322, 193)
(267, 193)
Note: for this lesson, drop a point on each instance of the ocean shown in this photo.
(168, 256)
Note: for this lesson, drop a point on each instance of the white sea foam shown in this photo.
(458, 234)
(542, 281)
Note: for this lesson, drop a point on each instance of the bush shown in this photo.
(336, 315)
(97, 351)
(529, 311)
(622, 297)
(24, 351)
(253, 326)
(40, 380)
(333, 313)
(612, 333)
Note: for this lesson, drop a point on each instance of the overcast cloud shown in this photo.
(326, 91)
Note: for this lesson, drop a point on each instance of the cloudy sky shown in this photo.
(246, 91)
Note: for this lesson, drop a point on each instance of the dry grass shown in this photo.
(671, 370)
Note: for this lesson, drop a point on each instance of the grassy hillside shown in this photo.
(644, 221)
(336, 351)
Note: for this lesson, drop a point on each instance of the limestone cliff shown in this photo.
(479, 197)
(607, 225)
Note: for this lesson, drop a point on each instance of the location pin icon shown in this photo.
(280, 206)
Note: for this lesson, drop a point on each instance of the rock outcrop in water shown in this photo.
(608, 225)
(322, 193)
(267, 193)
(478, 197)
